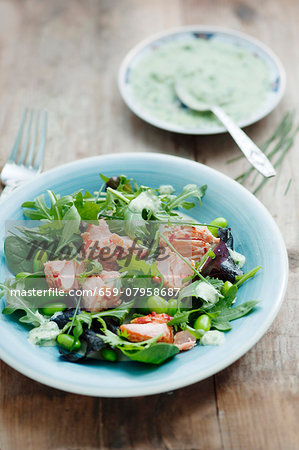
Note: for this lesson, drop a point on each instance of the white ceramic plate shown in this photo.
(235, 38)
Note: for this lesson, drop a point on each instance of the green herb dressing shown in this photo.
(216, 72)
(45, 334)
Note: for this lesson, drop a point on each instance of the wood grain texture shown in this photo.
(64, 55)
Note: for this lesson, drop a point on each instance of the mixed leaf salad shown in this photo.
(122, 273)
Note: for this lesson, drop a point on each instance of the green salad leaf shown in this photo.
(155, 354)
(222, 321)
(206, 291)
(181, 318)
(137, 266)
(119, 313)
(246, 276)
(148, 351)
(14, 303)
(16, 252)
(87, 205)
(132, 210)
(190, 190)
(71, 226)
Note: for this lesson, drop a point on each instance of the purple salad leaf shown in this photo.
(222, 266)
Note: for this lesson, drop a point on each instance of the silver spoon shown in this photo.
(254, 155)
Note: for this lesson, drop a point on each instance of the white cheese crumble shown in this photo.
(213, 337)
(166, 189)
(238, 258)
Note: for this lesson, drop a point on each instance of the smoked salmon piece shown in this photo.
(62, 274)
(139, 332)
(184, 340)
(153, 317)
(173, 269)
(99, 243)
(190, 241)
(99, 231)
(101, 292)
(95, 238)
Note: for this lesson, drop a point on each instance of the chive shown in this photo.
(118, 194)
(281, 131)
(99, 192)
(269, 141)
(281, 141)
(236, 158)
(279, 145)
(279, 161)
(74, 316)
(288, 186)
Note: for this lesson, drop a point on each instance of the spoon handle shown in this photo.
(254, 155)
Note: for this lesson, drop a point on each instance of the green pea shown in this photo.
(109, 354)
(52, 308)
(202, 322)
(225, 288)
(38, 261)
(157, 304)
(68, 342)
(218, 222)
(172, 306)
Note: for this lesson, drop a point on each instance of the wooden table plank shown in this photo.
(256, 397)
(64, 55)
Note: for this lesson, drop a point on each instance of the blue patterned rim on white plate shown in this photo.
(255, 234)
(276, 73)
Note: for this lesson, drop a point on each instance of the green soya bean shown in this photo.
(52, 308)
(225, 288)
(67, 341)
(202, 323)
(172, 306)
(157, 304)
(38, 261)
(219, 222)
(109, 354)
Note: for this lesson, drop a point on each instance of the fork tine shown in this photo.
(15, 148)
(29, 159)
(42, 142)
(26, 142)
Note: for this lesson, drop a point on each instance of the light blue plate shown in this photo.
(188, 34)
(255, 233)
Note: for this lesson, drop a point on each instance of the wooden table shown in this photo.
(64, 55)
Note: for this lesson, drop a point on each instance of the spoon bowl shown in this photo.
(188, 99)
(253, 154)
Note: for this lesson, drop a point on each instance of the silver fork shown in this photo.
(25, 161)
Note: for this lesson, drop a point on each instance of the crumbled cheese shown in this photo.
(213, 337)
(238, 258)
(166, 189)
